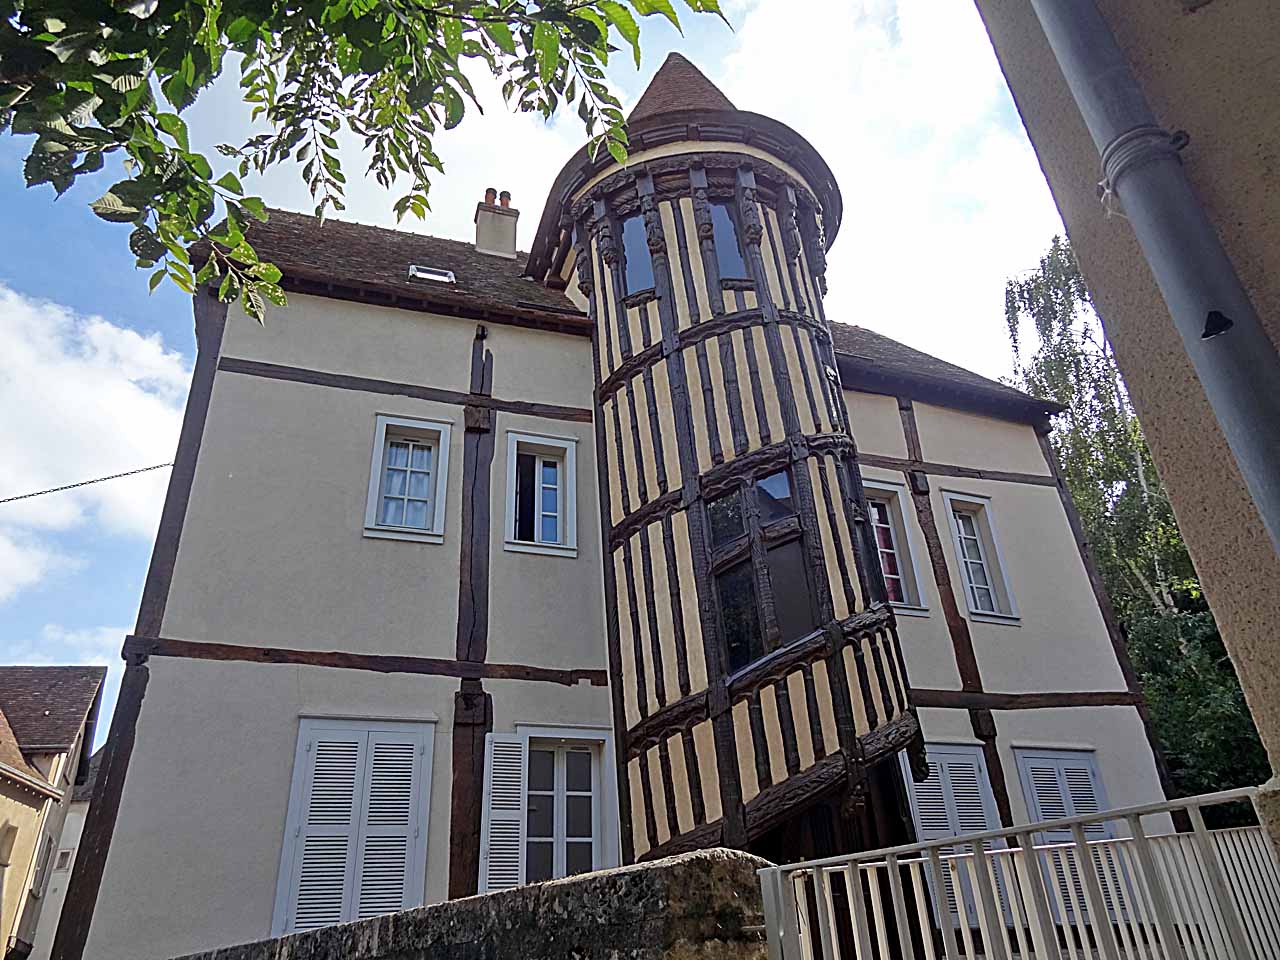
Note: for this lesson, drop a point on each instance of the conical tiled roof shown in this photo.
(678, 85)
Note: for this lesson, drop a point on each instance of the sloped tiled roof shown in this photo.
(873, 356)
(678, 85)
(357, 254)
(10, 753)
(47, 706)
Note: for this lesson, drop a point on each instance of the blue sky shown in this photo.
(943, 201)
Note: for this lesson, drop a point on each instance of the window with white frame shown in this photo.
(561, 822)
(541, 494)
(64, 859)
(407, 479)
(893, 545)
(549, 808)
(978, 555)
(356, 833)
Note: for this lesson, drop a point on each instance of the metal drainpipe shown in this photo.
(1232, 355)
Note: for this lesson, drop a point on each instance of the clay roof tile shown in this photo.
(678, 85)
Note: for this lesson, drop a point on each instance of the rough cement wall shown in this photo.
(1214, 73)
(699, 906)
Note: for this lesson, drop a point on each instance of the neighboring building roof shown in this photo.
(11, 753)
(83, 792)
(678, 85)
(320, 257)
(872, 361)
(48, 706)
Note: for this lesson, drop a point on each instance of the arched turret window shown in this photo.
(733, 265)
(638, 268)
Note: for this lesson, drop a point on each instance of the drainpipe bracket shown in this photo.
(1134, 148)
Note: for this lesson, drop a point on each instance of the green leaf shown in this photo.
(254, 304)
(452, 30)
(499, 31)
(617, 151)
(648, 8)
(114, 210)
(626, 24)
(176, 127)
(228, 181)
(241, 29)
(454, 107)
(546, 47)
(255, 207)
(268, 272)
(156, 279)
(146, 245)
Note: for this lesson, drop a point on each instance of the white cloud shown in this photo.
(96, 646)
(83, 398)
(943, 197)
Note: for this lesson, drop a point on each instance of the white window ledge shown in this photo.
(391, 533)
(1004, 619)
(546, 549)
(909, 610)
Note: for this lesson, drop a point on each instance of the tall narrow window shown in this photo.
(893, 546)
(561, 819)
(541, 510)
(638, 271)
(733, 265)
(758, 520)
(976, 576)
(887, 546)
(407, 480)
(986, 588)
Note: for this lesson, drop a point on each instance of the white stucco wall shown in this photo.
(273, 554)
(56, 892)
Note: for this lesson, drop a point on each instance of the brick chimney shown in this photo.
(496, 225)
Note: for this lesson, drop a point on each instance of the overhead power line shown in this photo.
(84, 483)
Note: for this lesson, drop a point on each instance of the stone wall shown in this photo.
(698, 906)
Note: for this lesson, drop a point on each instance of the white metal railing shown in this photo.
(1004, 894)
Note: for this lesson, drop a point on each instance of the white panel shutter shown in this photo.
(956, 799)
(390, 825)
(1059, 784)
(502, 827)
(325, 839)
(1063, 783)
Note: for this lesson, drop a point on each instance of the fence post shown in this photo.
(1099, 917)
(900, 919)
(940, 906)
(1217, 884)
(1156, 887)
(826, 910)
(988, 907)
(1043, 932)
(770, 888)
(858, 910)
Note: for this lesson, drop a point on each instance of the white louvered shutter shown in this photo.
(325, 840)
(502, 827)
(1059, 784)
(955, 800)
(388, 864)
